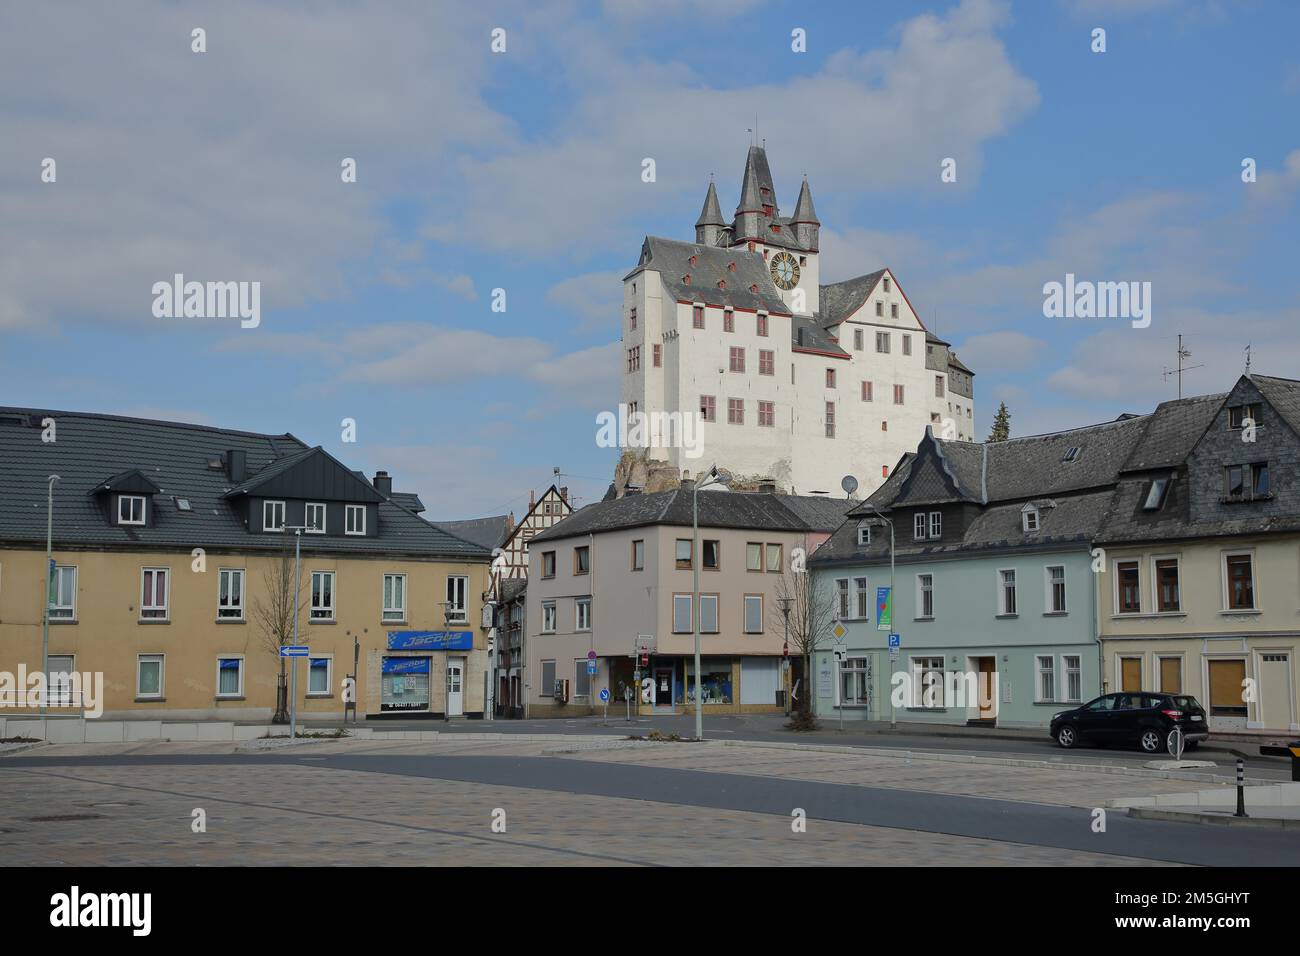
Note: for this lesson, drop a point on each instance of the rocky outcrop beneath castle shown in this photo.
(648, 475)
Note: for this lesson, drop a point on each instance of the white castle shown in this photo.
(796, 382)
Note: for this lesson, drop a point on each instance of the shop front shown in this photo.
(417, 663)
(727, 685)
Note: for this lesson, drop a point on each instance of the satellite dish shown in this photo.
(849, 484)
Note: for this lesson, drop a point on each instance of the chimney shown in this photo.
(510, 522)
(383, 484)
(767, 488)
(564, 495)
(688, 484)
(236, 465)
(532, 500)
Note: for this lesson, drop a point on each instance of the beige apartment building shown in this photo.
(1198, 583)
(621, 571)
(174, 547)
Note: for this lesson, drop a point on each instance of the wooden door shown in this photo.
(1226, 679)
(1130, 673)
(988, 688)
(1171, 675)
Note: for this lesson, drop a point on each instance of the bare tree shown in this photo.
(810, 621)
(275, 613)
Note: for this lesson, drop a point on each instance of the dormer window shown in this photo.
(1156, 494)
(315, 518)
(272, 515)
(864, 534)
(692, 260)
(731, 267)
(1029, 519)
(1237, 415)
(356, 519)
(886, 283)
(130, 509)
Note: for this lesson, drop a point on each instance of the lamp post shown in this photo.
(785, 603)
(713, 479)
(893, 719)
(45, 595)
(446, 661)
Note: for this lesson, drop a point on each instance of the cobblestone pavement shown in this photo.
(1064, 787)
(298, 814)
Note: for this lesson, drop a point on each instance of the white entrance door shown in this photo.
(455, 687)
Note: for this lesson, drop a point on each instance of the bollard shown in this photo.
(1241, 788)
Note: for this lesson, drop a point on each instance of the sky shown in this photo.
(521, 171)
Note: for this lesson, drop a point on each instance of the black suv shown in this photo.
(1132, 717)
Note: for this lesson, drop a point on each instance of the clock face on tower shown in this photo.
(785, 270)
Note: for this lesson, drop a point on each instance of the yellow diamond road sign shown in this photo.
(839, 631)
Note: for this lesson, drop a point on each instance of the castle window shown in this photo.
(893, 310)
(830, 419)
(728, 321)
(731, 267)
(880, 308)
(907, 345)
(697, 316)
(735, 411)
(658, 356)
(830, 378)
(737, 359)
(866, 391)
(708, 408)
(767, 414)
(752, 245)
(766, 362)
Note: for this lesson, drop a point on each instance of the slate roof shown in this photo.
(671, 259)
(711, 213)
(1069, 523)
(1172, 429)
(807, 333)
(803, 209)
(513, 588)
(839, 300)
(718, 509)
(92, 447)
(1283, 394)
(486, 532)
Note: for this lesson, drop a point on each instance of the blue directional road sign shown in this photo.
(604, 694)
(294, 650)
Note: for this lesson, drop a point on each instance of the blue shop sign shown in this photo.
(430, 640)
(406, 665)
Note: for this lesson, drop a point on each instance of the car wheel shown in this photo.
(1067, 737)
(1150, 741)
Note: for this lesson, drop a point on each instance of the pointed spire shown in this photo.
(803, 209)
(711, 214)
(756, 189)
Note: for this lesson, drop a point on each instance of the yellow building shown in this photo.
(174, 572)
(1198, 584)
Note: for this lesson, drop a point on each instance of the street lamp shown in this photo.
(713, 479)
(893, 719)
(784, 604)
(446, 660)
(45, 596)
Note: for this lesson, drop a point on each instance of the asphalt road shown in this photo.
(1014, 822)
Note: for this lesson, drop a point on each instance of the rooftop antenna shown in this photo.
(1182, 354)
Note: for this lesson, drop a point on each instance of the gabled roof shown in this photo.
(488, 533)
(1283, 394)
(132, 481)
(671, 259)
(718, 509)
(1172, 430)
(175, 458)
(839, 300)
(314, 474)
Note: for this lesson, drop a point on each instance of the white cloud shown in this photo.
(999, 352)
(944, 88)
(223, 165)
(596, 297)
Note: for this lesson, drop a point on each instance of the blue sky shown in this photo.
(521, 171)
